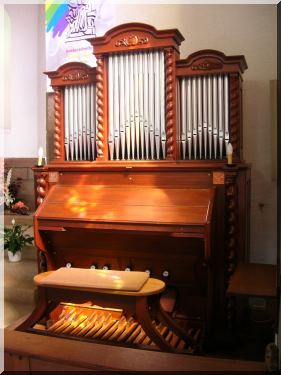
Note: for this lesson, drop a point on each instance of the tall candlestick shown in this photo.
(40, 157)
(229, 152)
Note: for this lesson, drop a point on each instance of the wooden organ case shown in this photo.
(140, 179)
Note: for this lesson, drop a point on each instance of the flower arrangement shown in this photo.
(15, 238)
(11, 189)
(19, 208)
(8, 198)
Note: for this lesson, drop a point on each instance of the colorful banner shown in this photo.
(68, 25)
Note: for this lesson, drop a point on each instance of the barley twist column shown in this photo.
(100, 107)
(231, 237)
(235, 114)
(170, 103)
(58, 124)
(42, 187)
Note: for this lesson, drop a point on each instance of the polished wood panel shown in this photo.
(112, 204)
(253, 279)
(41, 350)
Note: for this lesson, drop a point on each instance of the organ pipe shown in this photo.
(80, 122)
(204, 116)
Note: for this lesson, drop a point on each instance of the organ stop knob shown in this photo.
(166, 273)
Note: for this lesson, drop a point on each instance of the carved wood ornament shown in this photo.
(170, 104)
(100, 108)
(42, 186)
(58, 124)
(131, 41)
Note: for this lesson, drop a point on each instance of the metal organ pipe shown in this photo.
(194, 116)
(220, 110)
(141, 104)
(151, 103)
(157, 105)
(199, 93)
(66, 120)
(88, 123)
(70, 124)
(83, 135)
(189, 117)
(203, 110)
(162, 103)
(137, 105)
(136, 97)
(226, 110)
(131, 101)
(127, 108)
(116, 106)
(215, 115)
(122, 107)
(145, 104)
(210, 116)
(92, 120)
(80, 122)
(205, 116)
(110, 104)
(81, 115)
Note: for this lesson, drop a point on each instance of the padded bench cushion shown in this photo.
(97, 279)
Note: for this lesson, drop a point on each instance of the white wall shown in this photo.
(249, 30)
(26, 129)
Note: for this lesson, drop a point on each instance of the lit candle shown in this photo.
(40, 157)
(229, 152)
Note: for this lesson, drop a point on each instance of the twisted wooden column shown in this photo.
(231, 222)
(100, 108)
(231, 237)
(58, 153)
(235, 115)
(170, 104)
(41, 187)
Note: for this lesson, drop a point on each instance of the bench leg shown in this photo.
(143, 317)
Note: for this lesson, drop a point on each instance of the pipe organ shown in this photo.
(140, 181)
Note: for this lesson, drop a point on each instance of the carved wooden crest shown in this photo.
(131, 41)
(206, 65)
(75, 76)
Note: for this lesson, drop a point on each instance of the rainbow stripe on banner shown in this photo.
(56, 17)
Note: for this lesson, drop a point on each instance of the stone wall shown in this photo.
(22, 168)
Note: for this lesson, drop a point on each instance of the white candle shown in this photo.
(229, 152)
(40, 157)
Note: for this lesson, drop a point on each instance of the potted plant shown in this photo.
(15, 239)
